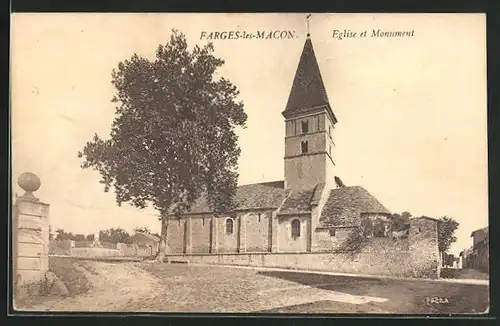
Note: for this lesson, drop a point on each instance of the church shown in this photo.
(309, 211)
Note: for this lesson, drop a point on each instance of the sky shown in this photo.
(411, 111)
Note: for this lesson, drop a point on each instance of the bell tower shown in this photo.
(309, 125)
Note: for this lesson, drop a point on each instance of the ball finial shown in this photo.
(29, 182)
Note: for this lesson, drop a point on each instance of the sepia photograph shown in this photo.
(283, 163)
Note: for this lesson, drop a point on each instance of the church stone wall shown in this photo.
(175, 235)
(200, 233)
(305, 170)
(323, 240)
(251, 240)
(258, 232)
(286, 243)
(294, 126)
(227, 242)
(316, 142)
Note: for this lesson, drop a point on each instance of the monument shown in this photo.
(30, 234)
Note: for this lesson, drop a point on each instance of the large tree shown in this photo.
(173, 136)
(446, 233)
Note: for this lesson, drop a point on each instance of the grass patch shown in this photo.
(69, 271)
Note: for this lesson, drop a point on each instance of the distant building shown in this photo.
(479, 258)
(146, 243)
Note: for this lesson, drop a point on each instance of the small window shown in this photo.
(259, 217)
(229, 226)
(305, 126)
(203, 221)
(332, 232)
(178, 222)
(295, 228)
(304, 146)
(419, 230)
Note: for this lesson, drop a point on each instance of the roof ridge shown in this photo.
(278, 210)
(260, 183)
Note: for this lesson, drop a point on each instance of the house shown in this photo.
(479, 259)
(466, 258)
(147, 244)
(310, 211)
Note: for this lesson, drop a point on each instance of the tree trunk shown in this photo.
(160, 254)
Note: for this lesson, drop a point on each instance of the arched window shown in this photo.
(229, 226)
(295, 228)
(305, 126)
(304, 146)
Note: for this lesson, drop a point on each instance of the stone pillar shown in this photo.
(187, 236)
(242, 234)
(214, 243)
(274, 233)
(30, 234)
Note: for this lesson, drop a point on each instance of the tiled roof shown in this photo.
(142, 237)
(308, 90)
(299, 201)
(252, 196)
(345, 205)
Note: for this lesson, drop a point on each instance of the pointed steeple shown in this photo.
(308, 91)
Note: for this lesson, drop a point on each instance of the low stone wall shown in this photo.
(128, 250)
(68, 248)
(96, 252)
(380, 257)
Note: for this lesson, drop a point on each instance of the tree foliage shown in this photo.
(143, 229)
(446, 233)
(400, 222)
(449, 259)
(62, 235)
(366, 227)
(79, 237)
(173, 137)
(114, 235)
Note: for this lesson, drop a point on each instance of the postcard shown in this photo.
(249, 163)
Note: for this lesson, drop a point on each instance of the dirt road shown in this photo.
(114, 285)
(157, 287)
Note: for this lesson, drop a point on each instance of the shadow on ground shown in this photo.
(404, 296)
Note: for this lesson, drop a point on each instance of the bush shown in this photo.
(379, 228)
(366, 227)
